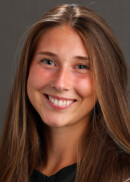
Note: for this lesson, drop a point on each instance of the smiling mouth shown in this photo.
(59, 102)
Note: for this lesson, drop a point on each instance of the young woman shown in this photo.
(67, 118)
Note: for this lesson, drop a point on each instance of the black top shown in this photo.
(66, 174)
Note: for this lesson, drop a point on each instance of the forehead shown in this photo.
(61, 40)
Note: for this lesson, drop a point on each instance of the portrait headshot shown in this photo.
(65, 112)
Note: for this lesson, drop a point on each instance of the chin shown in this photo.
(54, 122)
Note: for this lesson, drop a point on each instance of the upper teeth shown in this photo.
(60, 102)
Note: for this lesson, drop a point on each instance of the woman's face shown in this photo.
(60, 85)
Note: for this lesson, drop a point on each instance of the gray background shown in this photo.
(17, 15)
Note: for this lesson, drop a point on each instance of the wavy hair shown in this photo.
(104, 151)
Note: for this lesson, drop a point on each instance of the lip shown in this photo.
(58, 98)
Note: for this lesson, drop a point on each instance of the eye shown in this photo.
(82, 67)
(48, 62)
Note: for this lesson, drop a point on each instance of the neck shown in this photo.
(63, 143)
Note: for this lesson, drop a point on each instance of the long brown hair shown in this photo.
(104, 151)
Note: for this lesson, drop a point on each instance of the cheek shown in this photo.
(85, 86)
(37, 77)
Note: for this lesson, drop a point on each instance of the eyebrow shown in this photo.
(55, 55)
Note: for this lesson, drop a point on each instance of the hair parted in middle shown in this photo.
(109, 128)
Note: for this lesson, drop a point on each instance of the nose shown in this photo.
(62, 79)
